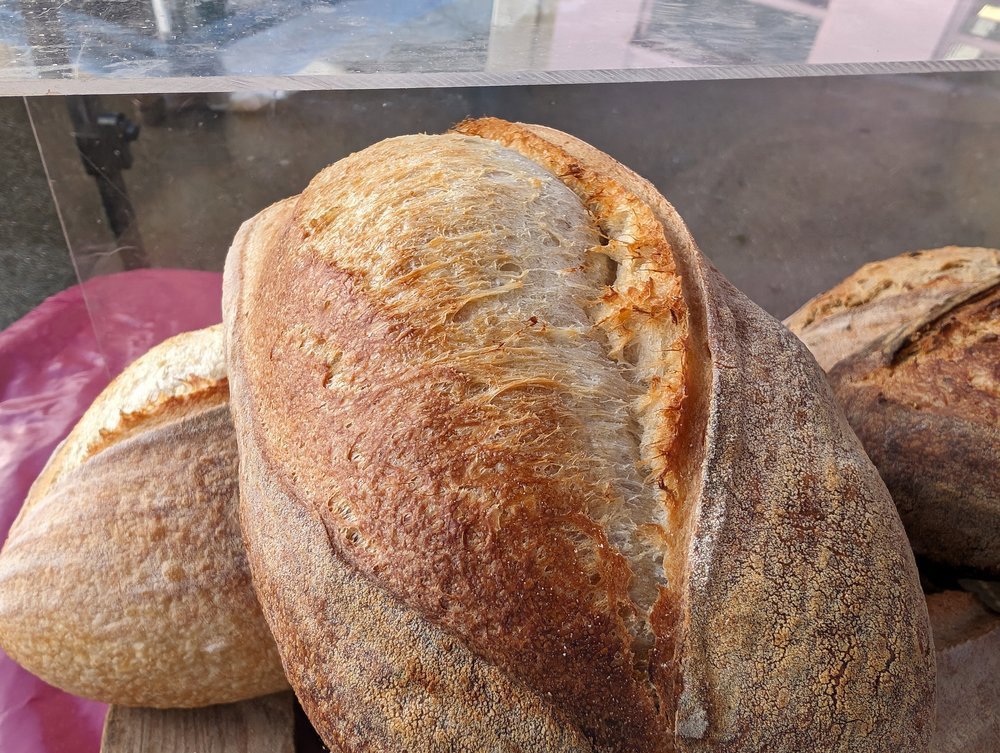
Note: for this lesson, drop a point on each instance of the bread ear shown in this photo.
(889, 296)
(183, 374)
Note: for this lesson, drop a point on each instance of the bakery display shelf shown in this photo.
(789, 184)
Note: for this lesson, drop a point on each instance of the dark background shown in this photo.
(787, 184)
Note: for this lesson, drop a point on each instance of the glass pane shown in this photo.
(787, 184)
(113, 45)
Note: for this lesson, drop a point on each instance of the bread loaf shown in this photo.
(912, 345)
(520, 471)
(883, 296)
(124, 577)
(967, 640)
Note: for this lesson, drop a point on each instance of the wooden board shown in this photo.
(260, 725)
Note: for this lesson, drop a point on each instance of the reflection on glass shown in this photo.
(259, 38)
(360, 36)
(976, 33)
(730, 32)
(985, 24)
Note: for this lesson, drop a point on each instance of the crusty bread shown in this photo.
(124, 577)
(917, 369)
(520, 471)
(884, 296)
(967, 641)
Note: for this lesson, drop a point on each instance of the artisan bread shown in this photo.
(124, 578)
(912, 345)
(520, 471)
(883, 296)
(967, 641)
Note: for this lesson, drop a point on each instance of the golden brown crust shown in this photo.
(967, 640)
(784, 494)
(185, 373)
(124, 577)
(384, 677)
(884, 296)
(924, 398)
(371, 673)
(788, 582)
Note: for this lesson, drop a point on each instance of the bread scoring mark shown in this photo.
(879, 280)
(958, 322)
(951, 363)
(182, 375)
(193, 393)
(468, 447)
(884, 298)
(643, 316)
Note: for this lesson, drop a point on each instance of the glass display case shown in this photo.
(799, 139)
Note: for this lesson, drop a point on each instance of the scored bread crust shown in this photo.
(919, 379)
(183, 373)
(787, 614)
(784, 496)
(124, 578)
(883, 296)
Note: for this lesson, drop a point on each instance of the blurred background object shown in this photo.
(259, 38)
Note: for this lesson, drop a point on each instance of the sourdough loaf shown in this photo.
(912, 345)
(124, 577)
(883, 296)
(520, 471)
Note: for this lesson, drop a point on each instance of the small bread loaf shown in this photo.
(124, 577)
(912, 345)
(967, 642)
(520, 471)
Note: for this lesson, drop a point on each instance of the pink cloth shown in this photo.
(53, 363)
